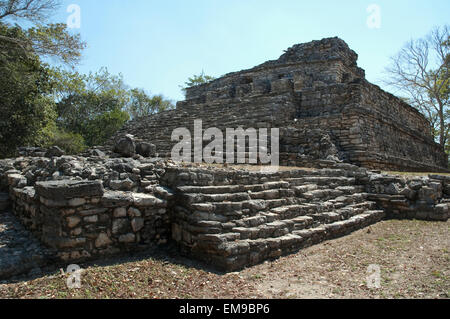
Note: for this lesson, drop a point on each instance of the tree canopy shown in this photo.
(197, 80)
(25, 86)
(141, 104)
(45, 40)
(45, 105)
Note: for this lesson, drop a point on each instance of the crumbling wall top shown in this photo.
(320, 50)
(329, 60)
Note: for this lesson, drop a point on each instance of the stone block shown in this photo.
(102, 240)
(120, 212)
(282, 85)
(146, 200)
(127, 238)
(116, 199)
(120, 226)
(69, 189)
(146, 149)
(137, 224)
(73, 221)
(17, 180)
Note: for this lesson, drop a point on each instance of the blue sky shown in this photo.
(157, 45)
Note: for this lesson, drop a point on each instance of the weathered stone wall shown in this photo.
(424, 198)
(303, 65)
(79, 220)
(264, 112)
(85, 208)
(396, 135)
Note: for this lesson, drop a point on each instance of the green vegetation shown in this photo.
(197, 80)
(46, 104)
(24, 88)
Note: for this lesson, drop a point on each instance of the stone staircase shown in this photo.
(234, 226)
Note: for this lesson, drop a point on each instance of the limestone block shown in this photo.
(120, 212)
(127, 238)
(73, 221)
(102, 240)
(69, 189)
(120, 226)
(137, 224)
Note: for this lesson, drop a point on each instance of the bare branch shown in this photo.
(420, 71)
(31, 10)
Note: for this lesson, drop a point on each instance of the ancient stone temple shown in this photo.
(319, 98)
(123, 198)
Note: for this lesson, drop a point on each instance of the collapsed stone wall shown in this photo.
(66, 206)
(313, 86)
(425, 198)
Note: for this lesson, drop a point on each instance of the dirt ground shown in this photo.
(412, 256)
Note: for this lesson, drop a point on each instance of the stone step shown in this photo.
(264, 227)
(321, 194)
(302, 210)
(299, 190)
(244, 213)
(341, 214)
(193, 198)
(269, 230)
(340, 228)
(235, 193)
(234, 255)
(247, 206)
(227, 211)
(227, 189)
(348, 199)
(351, 189)
(5, 201)
(337, 194)
(322, 180)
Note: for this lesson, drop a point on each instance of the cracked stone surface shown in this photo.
(20, 251)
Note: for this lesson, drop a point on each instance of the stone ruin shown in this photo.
(319, 99)
(127, 196)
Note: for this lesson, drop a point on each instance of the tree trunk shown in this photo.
(442, 125)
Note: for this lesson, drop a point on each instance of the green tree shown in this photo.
(197, 80)
(141, 104)
(71, 143)
(92, 105)
(27, 106)
(102, 127)
(25, 85)
(45, 40)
